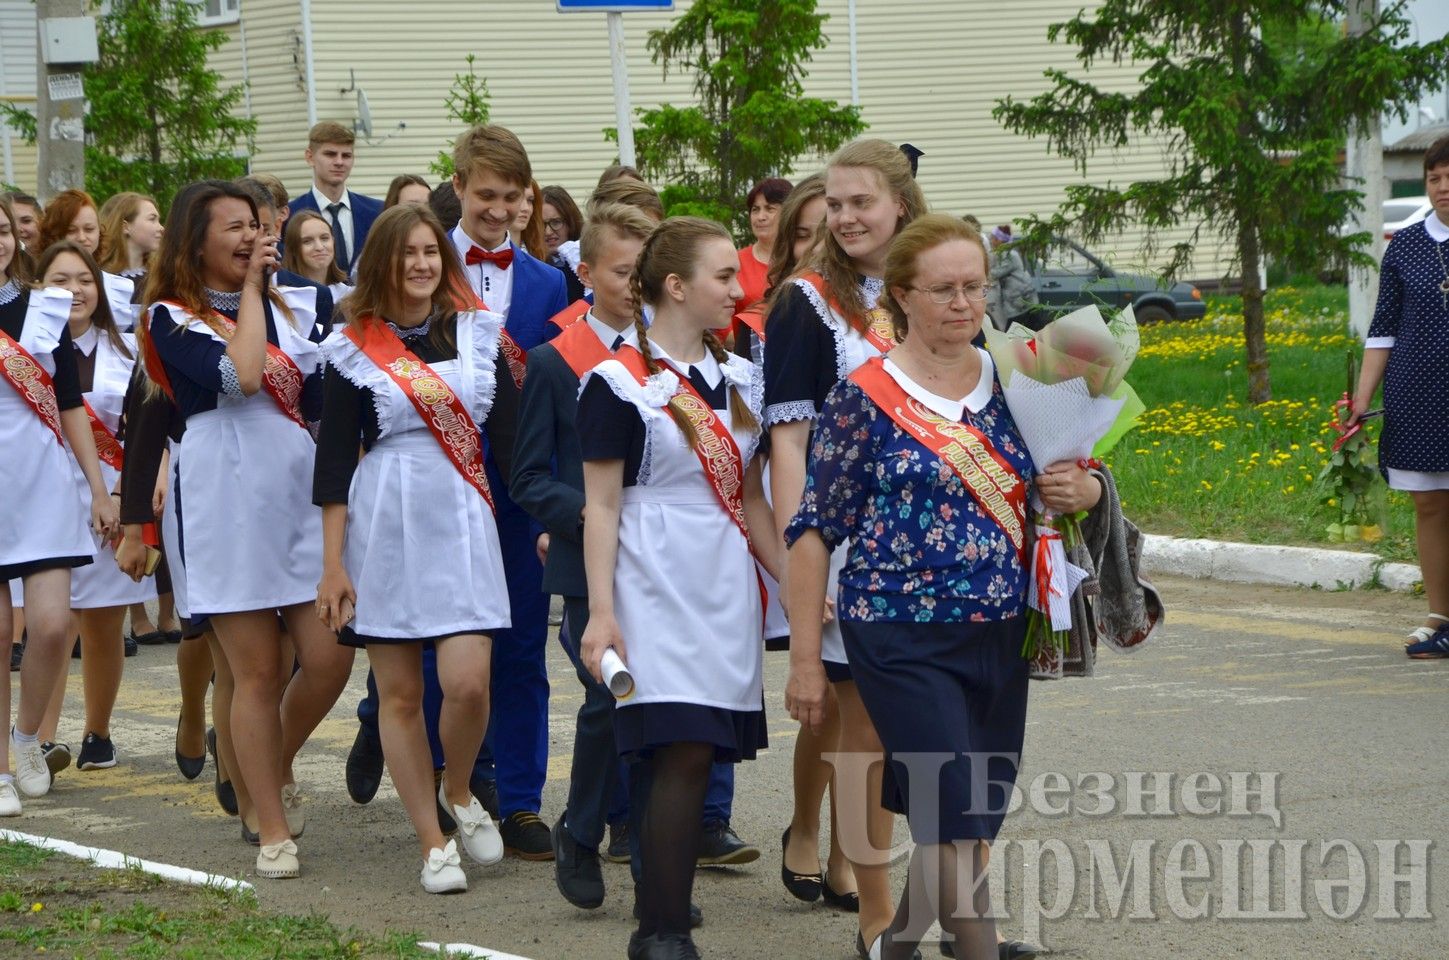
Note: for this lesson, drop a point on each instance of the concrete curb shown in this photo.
(1274, 565)
(115, 860)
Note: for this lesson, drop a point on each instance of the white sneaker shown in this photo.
(32, 776)
(480, 837)
(292, 807)
(443, 871)
(9, 799)
(278, 861)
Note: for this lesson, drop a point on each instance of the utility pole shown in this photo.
(1364, 167)
(66, 40)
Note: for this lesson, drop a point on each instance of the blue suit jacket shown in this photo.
(365, 210)
(539, 292)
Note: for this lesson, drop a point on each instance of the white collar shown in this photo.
(1438, 232)
(464, 243)
(86, 342)
(975, 401)
(607, 334)
(323, 203)
(708, 368)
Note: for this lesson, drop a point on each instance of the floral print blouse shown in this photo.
(921, 549)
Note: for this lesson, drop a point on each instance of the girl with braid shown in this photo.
(673, 499)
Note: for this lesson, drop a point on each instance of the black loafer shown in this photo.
(576, 870)
(849, 902)
(802, 886)
(364, 766)
(190, 767)
(663, 946)
(153, 639)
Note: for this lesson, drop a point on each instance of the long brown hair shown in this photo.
(382, 264)
(61, 212)
(560, 199)
(19, 266)
(532, 235)
(830, 259)
(673, 250)
(292, 247)
(395, 189)
(782, 252)
(101, 316)
(119, 210)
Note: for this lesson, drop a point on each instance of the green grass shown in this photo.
(56, 905)
(1204, 463)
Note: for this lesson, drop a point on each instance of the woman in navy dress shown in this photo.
(659, 524)
(917, 466)
(821, 327)
(43, 534)
(1408, 351)
(244, 373)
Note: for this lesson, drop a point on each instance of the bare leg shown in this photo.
(870, 854)
(47, 650)
(463, 672)
(312, 690)
(140, 619)
(1431, 509)
(103, 657)
(166, 612)
(252, 647)
(398, 669)
(50, 722)
(812, 777)
(193, 671)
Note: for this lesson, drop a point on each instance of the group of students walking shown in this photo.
(413, 437)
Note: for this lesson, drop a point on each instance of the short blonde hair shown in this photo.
(608, 222)
(330, 131)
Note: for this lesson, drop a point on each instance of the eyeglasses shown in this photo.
(556, 224)
(946, 293)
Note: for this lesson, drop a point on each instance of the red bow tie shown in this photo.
(502, 259)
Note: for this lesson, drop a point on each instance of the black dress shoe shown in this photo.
(696, 915)
(364, 766)
(190, 767)
(485, 791)
(130, 647)
(802, 886)
(225, 792)
(152, 639)
(720, 847)
(849, 902)
(663, 946)
(1005, 950)
(576, 869)
(618, 849)
(250, 836)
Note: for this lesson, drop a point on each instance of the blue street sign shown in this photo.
(613, 6)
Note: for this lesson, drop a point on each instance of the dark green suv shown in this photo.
(1069, 276)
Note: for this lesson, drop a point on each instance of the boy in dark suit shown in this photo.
(330, 155)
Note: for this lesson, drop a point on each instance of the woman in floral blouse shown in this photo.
(917, 464)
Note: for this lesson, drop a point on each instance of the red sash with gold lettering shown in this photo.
(994, 484)
(442, 410)
(878, 327)
(581, 348)
(514, 356)
(108, 448)
(724, 465)
(281, 378)
(570, 314)
(31, 381)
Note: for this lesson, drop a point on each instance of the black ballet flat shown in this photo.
(190, 767)
(251, 836)
(225, 792)
(1005, 950)
(849, 902)
(802, 886)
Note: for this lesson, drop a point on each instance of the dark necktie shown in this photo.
(618, 342)
(502, 259)
(339, 242)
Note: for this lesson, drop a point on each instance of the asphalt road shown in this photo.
(1306, 690)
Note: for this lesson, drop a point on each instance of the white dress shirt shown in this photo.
(344, 219)
(492, 284)
(607, 334)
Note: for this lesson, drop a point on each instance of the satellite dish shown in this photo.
(364, 115)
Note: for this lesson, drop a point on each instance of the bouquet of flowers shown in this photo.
(1066, 391)
(1350, 479)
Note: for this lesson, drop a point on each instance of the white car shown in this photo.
(1401, 212)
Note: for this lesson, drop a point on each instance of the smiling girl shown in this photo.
(309, 253)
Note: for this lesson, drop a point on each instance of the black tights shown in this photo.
(943, 885)
(670, 788)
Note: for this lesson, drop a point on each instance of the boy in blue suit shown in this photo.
(330, 155)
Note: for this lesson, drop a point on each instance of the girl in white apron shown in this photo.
(246, 379)
(821, 327)
(99, 592)
(410, 542)
(43, 536)
(673, 588)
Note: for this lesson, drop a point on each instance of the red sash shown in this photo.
(108, 448)
(753, 318)
(994, 484)
(570, 314)
(581, 348)
(878, 327)
(512, 353)
(718, 453)
(441, 409)
(281, 378)
(30, 380)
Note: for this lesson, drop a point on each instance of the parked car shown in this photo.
(1401, 212)
(1069, 276)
